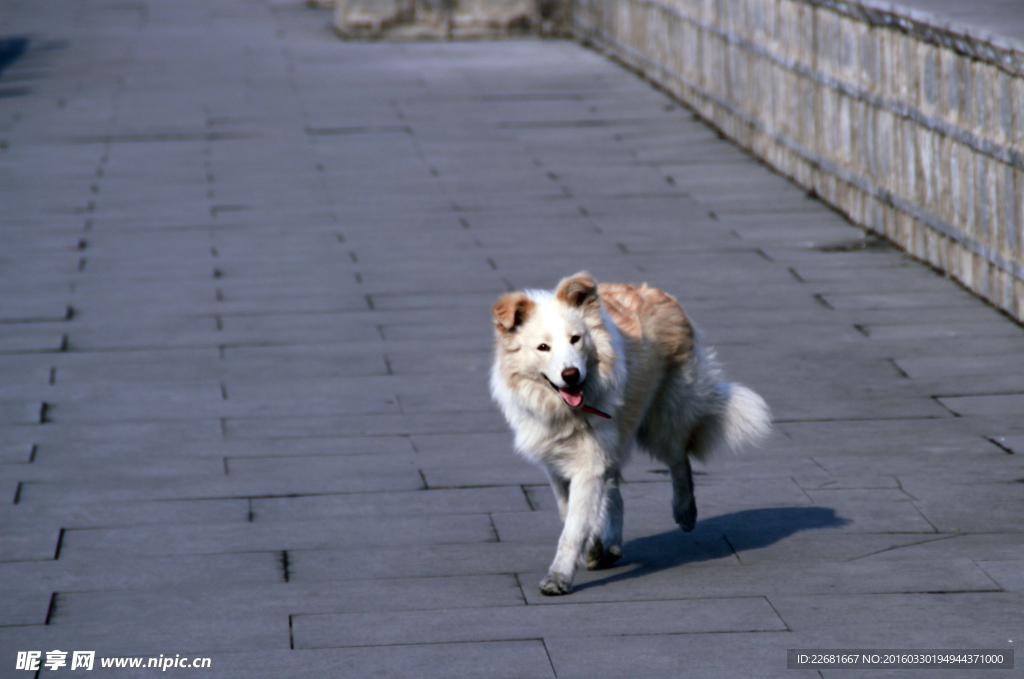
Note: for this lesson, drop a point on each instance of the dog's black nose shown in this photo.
(571, 376)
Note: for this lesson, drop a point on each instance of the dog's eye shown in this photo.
(574, 339)
(543, 347)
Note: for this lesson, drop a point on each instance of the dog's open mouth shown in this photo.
(573, 397)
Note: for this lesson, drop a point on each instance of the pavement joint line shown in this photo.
(60, 544)
(285, 570)
(52, 609)
(161, 137)
(69, 315)
(421, 643)
(547, 651)
(526, 495)
(893, 362)
(775, 610)
(522, 592)
(280, 496)
(542, 640)
(490, 516)
(995, 440)
(862, 419)
(29, 352)
(922, 515)
(557, 603)
(980, 393)
(945, 536)
(735, 553)
(802, 490)
(938, 399)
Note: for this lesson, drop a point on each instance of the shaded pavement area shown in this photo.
(245, 279)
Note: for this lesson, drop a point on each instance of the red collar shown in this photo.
(595, 411)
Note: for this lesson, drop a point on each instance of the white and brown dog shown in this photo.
(587, 371)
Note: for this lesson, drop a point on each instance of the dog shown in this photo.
(587, 372)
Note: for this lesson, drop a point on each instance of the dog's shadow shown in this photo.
(716, 538)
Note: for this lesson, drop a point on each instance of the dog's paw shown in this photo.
(686, 516)
(599, 557)
(613, 554)
(555, 584)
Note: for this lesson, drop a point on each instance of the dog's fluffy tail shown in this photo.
(746, 419)
(740, 419)
(733, 417)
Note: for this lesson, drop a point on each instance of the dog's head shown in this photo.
(548, 338)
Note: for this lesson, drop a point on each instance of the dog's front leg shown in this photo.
(582, 522)
(560, 487)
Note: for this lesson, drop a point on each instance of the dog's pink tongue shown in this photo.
(573, 397)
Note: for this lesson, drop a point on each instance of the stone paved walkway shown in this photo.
(245, 278)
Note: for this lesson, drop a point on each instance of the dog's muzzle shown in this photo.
(572, 394)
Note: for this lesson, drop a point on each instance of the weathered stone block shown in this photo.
(447, 19)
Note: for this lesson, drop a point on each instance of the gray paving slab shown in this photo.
(346, 598)
(93, 514)
(39, 544)
(650, 582)
(514, 622)
(704, 655)
(414, 561)
(267, 430)
(1011, 405)
(219, 538)
(930, 331)
(70, 574)
(17, 453)
(970, 618)
(281, 396)
(438, 501)
(171, 637)
(368, 425)
(497, 660)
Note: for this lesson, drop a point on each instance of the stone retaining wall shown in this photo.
(912, 128)
(449, 19)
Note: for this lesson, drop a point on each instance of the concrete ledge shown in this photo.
(447, 19)
(911, 126)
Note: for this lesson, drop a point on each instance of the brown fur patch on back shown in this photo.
(650, 316)
(511, 311)
(658, 339)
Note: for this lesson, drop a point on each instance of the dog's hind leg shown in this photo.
(606, 547)
(674, 451)
(684, 504)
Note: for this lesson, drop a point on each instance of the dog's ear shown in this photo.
(577, 290)
(511, 311)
